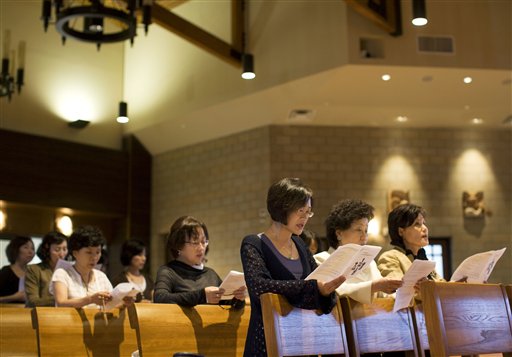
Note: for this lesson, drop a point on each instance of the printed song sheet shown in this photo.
(63, 264)
(348, 260)
(477, 268)
(419, 269)
(233, 281)
(120, 291)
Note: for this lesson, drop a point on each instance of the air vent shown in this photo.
(439, 45)
(508, 120)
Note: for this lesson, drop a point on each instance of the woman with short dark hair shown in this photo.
(278, 261)
(19, 251)
(409, 234)
(133, 258)
(37, 280)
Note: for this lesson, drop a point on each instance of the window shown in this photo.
(439, 251)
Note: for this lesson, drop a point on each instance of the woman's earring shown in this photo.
(179, 252)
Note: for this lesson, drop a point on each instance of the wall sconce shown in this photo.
(123, 113)
(374, 227)
(78, 124)
(7, 77)
(419, 13)
(248, 66)
(65, 225)
(3, 220)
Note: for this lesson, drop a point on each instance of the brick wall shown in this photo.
(224, 182)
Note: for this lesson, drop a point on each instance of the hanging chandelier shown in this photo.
(97, 21)
(11, 78)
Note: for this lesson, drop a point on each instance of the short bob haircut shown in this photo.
(287, 196)
(13, 248)
(85, 237)
(183, 230)
(342, 215)
(402, 216)
(129, 249)
(43, 252)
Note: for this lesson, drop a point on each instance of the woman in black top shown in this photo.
(185, 280)
(278, 261)
(20, 251)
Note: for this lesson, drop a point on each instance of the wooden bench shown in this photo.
(70, 332)
(210, 330)
(375, 328)
(467, 319)
(17, 336)
(290, 331)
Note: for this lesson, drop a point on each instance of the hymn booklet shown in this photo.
(418, 270)
(477, 268)
(347, 260)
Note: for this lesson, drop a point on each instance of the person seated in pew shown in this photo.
(38, 277)
(19, 252)
(185, 280)
(278, 261)
(409, 234)
(133, 258)
(347, 223)
(311, 241)
(81, 285)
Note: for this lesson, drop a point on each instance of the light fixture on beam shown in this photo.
(419, 13)
(123, 113)
(248, 66)
(100, 22)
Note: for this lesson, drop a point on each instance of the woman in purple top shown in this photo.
(278, 261)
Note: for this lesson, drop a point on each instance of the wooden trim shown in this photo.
(196, 35)
(390, 20)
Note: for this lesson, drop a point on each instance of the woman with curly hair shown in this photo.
(348, 223)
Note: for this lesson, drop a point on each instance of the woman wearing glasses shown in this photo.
(278, 261)
(185, 280)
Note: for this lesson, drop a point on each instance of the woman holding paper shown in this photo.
(278, 261)
(347, 223)
(81, 285)
(409, 234)
(38, 277)
(133, 258)
(185, 280)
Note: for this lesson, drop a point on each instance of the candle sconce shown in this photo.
(10, 77)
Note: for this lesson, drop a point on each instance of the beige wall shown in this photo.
(224, 183)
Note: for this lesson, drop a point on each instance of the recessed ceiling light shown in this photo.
(386, 77)
(468, 80)
(401, 118)
(477, 121)
(427, 78)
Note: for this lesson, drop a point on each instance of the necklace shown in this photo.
(282, 248)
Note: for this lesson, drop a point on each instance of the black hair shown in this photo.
(84, 237)
(287, 196)
(129, 249)
(402, 216)
(13, 248)
(342, 215)
(181, 231)
(54, 237)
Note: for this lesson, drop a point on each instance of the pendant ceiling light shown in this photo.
(419, 13)
(97, 21)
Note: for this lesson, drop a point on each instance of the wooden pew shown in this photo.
(420, 327)
(467, 319)
(375, 328)
(210, 330)
(17, 336)
(290, 331)
(70, 332)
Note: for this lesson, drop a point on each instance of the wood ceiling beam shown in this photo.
(205, 40)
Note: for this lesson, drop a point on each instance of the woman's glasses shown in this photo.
(305, 213)
(196, 243)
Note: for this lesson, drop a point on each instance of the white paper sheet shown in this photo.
(119, 293)
(478, 267)
(233, 281)
(347, 260)
(419, 269)
(63, 264)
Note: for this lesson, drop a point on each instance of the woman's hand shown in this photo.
(240, 293)
(100, 298)
(213, 294)
(386, 285)
(327, 288)
(128, 301)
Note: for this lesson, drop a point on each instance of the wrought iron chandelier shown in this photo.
(8, 81)
(97, 21)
